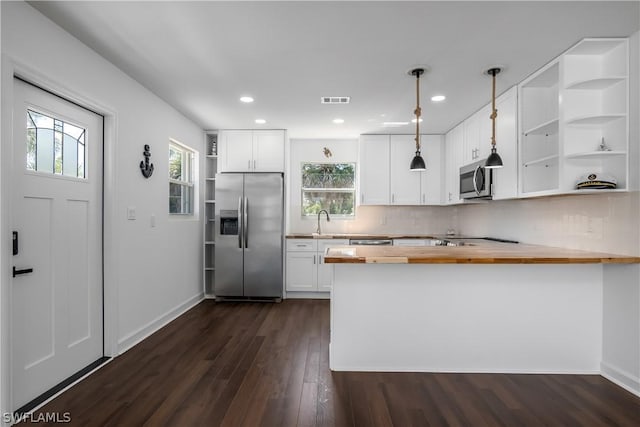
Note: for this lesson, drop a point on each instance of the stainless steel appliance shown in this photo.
(249, 236)
(370, 242)
(476, 181)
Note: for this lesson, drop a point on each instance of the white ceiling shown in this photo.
(202, 56)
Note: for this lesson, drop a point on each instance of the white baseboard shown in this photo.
(307, 295)
(428, 370)
(620, 378)
(137, 336)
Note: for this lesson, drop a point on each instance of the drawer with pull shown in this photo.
(302, 245)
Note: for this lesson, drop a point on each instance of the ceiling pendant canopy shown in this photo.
(493, 161)
(417, 164)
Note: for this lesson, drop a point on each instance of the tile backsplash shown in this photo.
(595, 222)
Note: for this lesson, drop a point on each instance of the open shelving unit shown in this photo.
(574, 116)
(540, 120)
(209, 239)
(595, 98)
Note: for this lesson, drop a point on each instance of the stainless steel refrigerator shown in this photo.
(249, 235)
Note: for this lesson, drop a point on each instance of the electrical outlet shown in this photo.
(131, 213)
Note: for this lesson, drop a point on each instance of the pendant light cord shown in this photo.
(418, 110)
(494, 112)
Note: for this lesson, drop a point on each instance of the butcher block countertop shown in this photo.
(356, 236)
(473, 252)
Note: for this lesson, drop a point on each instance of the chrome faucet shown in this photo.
(318, 230)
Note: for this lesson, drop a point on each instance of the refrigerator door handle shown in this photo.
(241, 230)
(246, 222)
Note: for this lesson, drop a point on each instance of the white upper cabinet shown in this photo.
(432, 179)
(374, 169)
(505, 179)
(453, 147)
(477, 136)
(251, 150)
(385, 177)
(235, 151)
(404, 183)
(268, 151)
(470, 142)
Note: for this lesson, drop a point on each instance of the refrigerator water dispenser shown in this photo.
(229, 222)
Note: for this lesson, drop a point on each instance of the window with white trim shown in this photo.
(330, 186)
(181, 176)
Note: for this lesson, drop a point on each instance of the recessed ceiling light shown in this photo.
(338, 121)
(414, 120)
(335, 99)
(438, 98)
(246, 99)
(261, 121)
(391, 124)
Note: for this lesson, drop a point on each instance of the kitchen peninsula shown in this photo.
(509, 308)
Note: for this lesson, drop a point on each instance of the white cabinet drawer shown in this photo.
(301, 245)
(328, 243)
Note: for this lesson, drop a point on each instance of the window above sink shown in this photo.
(329, 186)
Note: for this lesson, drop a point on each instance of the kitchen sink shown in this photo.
(445, 242)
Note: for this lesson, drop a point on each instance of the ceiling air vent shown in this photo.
(335, 99)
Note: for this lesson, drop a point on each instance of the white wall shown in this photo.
(151, 274)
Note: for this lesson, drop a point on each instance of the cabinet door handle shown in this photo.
(423, 198)
(361, 197)
(319, 259)
(393, 198)
(249, 164)
(19, 272)
(314, 259)
(254, 165)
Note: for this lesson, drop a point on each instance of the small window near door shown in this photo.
(330, 186)
(181, 186)
(55, 146)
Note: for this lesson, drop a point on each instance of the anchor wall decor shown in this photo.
(146, 167)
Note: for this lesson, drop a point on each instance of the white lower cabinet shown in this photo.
(306, 269)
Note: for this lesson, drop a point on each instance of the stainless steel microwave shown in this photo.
(476, 181)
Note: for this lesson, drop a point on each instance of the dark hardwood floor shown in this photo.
(261, 364)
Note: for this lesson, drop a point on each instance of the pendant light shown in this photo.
(493, 161)
(417, 164)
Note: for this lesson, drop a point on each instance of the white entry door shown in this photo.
(56, 323)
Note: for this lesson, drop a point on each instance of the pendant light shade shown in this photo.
(493, 161)
(417, 164)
